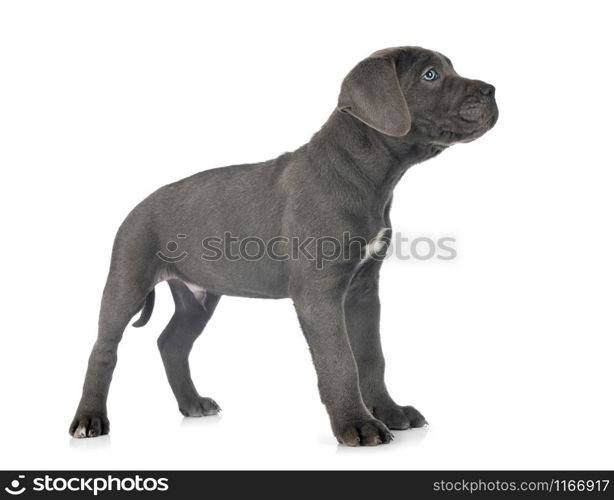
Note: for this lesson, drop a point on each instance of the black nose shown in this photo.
(487, 89)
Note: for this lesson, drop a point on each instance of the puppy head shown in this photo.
(403, 89)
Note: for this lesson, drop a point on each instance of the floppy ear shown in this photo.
(371, 92)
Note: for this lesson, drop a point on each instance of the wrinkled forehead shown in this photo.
(415, 58)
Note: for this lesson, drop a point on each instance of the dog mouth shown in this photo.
(474, 110)
(477, 118)
(472, 120)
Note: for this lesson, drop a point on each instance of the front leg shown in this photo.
(320, 312)
(362, 310)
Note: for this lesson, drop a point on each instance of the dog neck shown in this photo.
(352, 147)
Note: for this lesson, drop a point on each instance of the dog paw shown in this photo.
(369, 432)
(88, 425)
(202, 407)
(400, 417)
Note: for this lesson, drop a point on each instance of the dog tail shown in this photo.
(146, 310)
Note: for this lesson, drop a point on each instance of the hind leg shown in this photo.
(122, 298)
(175, 343)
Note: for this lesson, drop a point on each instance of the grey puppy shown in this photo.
(396, 108)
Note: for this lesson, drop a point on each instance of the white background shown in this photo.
(507, 350)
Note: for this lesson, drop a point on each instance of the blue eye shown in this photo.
(430, 75)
